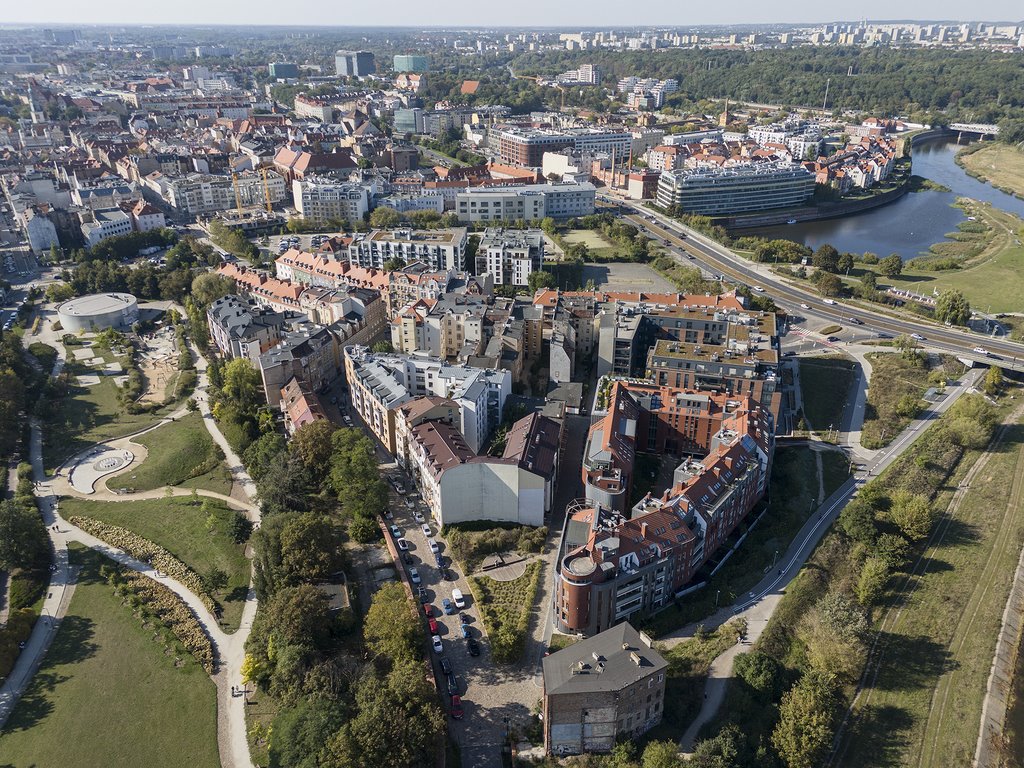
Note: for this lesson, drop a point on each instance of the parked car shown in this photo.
(473, 646)
(460, 600)
(433, 546)
(464, 629)
(452, 682)
(418, 516)
(396, 531)
(432, 625)
(414, 576)
(403, 545)
(426, 530)
(437, 645)
(463, 618)
(447, 607)
(446, 665)
(428, 610)
(421, 593)
(457, 711)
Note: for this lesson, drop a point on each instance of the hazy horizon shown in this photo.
(529, 13)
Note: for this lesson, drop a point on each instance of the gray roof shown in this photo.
(601, 663)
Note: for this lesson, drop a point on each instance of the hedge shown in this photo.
(148, 552)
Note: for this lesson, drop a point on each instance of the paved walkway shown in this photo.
(229, 649)
(758, 606)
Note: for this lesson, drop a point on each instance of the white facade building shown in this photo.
(107, 222)
(510, 255)
(323, 200)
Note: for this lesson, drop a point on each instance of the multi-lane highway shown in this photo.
(793, 298)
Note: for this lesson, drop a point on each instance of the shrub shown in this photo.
(148, 552)
(505, 608)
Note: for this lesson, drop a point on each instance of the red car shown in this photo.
(428, 610)
(433, 626)
(457, 712)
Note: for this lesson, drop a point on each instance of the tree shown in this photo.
(310, 548)
(891, 265)
(208, 287)
(263, 454)
(829, 284)
(826, 258)
(355, 476)
(382, 347)
(912, 514)
(312, 443)
(390, 629)
(951, 307)
(22, 536)
(759, 671)
(300, 732)
(804, 732)
(242, 384)
(722, 751)
(845, 262)
(300, 615)
(993, 381)
(394, 263)
(874, 575)
(215, 580)
(384, 217)
(540, 280)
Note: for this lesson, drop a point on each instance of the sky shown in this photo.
(522, 13)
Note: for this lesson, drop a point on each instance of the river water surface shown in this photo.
(912, 223)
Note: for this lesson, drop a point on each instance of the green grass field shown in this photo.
(1001, 165)
(595, 242)
(824, 383)
(923, 708)
(88, 415)
(176, 453)
(107, 695)
(893, 378)
(181, 528)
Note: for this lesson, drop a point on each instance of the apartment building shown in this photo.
(198, 194)
(418, 280)
(441, 249)
(104, 223)
(310, 355)
(411, 63)
(446, 327)
(322, 200)
(460, 486)
(354, 63)
(525, 147)
(602, 688)
(528, 202)
(612, 567)
(510, 255)
(722, 191)
(381, 383)
(300, 406)
(240, 327)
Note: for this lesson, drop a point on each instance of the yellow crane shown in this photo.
(266, 189)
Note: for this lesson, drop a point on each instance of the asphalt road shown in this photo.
(1007, 354)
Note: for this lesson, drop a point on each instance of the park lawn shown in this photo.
(44, 353)
(88, 415)
(179, 453)
(598, 246)
(793, 497)
(181, 528)
(893, 378)
(1001, 165)
(926, 700)
(106, 694)
(825, 383)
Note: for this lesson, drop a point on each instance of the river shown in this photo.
(912, 223)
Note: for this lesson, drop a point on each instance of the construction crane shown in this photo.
(266, 189)
(238, 193)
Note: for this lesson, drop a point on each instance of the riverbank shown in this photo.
(1000, 165)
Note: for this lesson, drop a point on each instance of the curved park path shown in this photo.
(758, 606)
(229, 648)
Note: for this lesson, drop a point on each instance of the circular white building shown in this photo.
(98, 311)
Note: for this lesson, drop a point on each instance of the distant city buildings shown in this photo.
(411, 63)
(354, 63)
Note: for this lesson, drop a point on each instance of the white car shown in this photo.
(759, 289)
(418, 517)
(433, 546)
(403, 545)
(459, 598)
(804, 306)
(426, 530)
(414, 576)
(917, 337)
(981, 351)
(435, 641)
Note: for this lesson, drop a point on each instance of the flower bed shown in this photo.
(148, 552)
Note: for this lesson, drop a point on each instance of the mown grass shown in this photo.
(824, 385)
(179, 453)
(1001, 165)
(107, 694)
(198, 537)
(597, 244)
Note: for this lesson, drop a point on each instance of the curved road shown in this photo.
(1008, 354)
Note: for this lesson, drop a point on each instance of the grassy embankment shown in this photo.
(107, 694)
(198, 535)
(1001, 165)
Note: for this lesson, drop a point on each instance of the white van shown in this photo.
(457, 597)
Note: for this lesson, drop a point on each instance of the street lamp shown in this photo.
(717, 593)
(775, 557)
